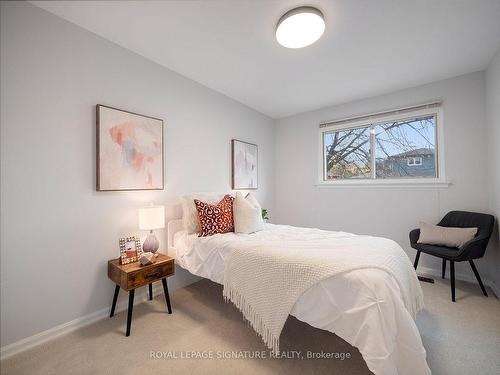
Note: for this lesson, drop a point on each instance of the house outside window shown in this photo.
(402, 145)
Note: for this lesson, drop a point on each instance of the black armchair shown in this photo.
(473, 249)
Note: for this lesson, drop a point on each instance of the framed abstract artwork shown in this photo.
(129, 151)
(244, 158)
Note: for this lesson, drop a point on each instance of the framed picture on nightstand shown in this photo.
(130, 249)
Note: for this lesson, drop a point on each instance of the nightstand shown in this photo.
(132, 276)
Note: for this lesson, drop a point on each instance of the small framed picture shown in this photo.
(130, 249)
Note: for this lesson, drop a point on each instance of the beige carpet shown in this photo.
(460, 338)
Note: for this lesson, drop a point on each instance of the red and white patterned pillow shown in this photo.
(215, 218)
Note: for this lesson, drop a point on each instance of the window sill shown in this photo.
(410, 183)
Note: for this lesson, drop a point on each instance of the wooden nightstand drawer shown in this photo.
(149, 274)
(133, 275)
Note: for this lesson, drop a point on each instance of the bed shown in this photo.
(363, 306)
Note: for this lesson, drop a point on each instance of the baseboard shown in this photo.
(181, 279)
(460, 276)
(495, 289)
(42, 337)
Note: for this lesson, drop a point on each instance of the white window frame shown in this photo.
(413, 162)
(439, 181)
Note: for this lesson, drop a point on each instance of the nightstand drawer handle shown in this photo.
(152, 275)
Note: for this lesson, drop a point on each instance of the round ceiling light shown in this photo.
(300, 27)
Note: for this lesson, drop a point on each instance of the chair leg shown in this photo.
(474, 269)
(150, 292)
(452, 279)
(443, 272)
(416, 260)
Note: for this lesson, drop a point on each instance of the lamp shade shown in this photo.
(152, 217)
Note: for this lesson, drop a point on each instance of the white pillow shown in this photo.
(189, 212)
(247, 214)
(447, 236)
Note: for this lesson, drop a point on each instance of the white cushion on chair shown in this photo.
(445, 236)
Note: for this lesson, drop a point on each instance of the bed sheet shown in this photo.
(364, 307)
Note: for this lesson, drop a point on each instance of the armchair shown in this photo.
(473, 249)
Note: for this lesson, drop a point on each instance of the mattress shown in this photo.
(364, 307)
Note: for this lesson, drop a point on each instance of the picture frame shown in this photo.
(130, 249)
(244, 165)
(129, 150)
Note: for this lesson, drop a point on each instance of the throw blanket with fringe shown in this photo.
(264, 280)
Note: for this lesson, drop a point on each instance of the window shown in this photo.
(393, 145)
(347, 153)
(414, 161)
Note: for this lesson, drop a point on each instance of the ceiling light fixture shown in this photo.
(300, 27)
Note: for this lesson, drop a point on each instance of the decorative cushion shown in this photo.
(215, 218)
(247, 214)
(189, 212)
(445, 236)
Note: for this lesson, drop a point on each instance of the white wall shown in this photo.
(388, 212)
(57, 232)
(493, 118)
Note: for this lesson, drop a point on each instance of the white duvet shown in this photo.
(364, 307)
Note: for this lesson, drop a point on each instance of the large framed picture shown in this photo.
(244, 158)
(129, 151)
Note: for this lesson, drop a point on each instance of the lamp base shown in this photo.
(151, 243)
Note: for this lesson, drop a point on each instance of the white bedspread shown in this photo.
(364, 307)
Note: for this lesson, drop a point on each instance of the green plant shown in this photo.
(265, 213)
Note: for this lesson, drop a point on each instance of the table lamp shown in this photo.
(151, 217)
